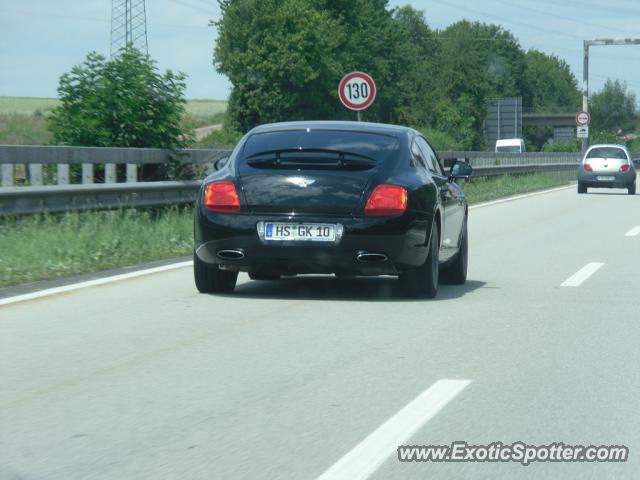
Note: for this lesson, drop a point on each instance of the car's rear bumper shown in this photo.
(402, 240)
(599, 179)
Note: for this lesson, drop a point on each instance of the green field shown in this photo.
(29, 106)
(23, 120)
(20, 129)
(26, 105)
(206, 108)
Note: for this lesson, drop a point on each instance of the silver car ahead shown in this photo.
(607, 166)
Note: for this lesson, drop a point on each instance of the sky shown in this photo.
(41, 39)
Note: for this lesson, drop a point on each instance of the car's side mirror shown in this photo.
(219, 164)
(460, 170)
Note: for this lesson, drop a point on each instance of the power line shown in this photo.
(507, 20)
(192, 6)
(609, 8)
(555, 15)
(82, 18)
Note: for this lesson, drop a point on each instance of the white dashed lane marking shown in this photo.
(582, 275)
(366, 457)
(633, 232)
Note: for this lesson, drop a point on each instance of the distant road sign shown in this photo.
(582, 131)
(583, 118)
(357, 90)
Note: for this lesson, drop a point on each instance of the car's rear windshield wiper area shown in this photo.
(307, 159)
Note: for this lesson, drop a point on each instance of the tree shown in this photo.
(479, 61)
(282, 57)
(285, 58)
(375, 43)
(417, 89)
(122, 102)
(550, 84)
(613, 108)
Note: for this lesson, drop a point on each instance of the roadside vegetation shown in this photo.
(485, 189)
(24, 129)
(48, 246)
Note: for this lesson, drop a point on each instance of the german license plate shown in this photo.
(314, 232)
(605, 178)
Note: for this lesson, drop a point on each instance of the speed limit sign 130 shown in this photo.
(357, 90)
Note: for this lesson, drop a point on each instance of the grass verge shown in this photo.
(485, 189)
(40, 247)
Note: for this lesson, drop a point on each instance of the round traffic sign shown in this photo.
(583, 118)
(357, 90)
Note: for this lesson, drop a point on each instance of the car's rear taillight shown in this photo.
(625, 168)
(222, 197)
(386, 200)
(587, 168)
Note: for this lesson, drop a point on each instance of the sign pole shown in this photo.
(585, 91)
(359, 116)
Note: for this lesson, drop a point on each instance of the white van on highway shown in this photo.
(510, 145)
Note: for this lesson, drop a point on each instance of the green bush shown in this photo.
(224, 138)
(565, 146)
(603, 136)
(122, 102)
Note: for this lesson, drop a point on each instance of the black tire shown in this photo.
(263, 276)
(581, 188)
(210, 279)
(632, 189)
(423, 281)
(456, 272)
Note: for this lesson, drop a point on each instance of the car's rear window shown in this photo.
(374, 146)
(607, 152)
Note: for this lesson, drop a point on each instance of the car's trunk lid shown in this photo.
(311, 171)
(606, 165)
(309, 182)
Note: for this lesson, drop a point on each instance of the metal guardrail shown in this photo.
(89, 195)
(61, 157)
(53, 198)
(65, 198)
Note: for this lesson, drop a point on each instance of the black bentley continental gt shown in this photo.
(343, 198)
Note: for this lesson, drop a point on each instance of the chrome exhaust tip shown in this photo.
(366, 257)
(231, 254)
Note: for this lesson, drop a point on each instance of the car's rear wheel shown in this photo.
(424, 280)
(210, 279)
(632, 189)
(582, 188)
(456, 272)
(263, 276)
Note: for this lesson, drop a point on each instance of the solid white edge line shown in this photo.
(633, 232)
(366, 457)
(92, 283)
(581, 275)
(519, 197)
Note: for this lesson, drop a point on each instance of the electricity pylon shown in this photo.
(128, 25)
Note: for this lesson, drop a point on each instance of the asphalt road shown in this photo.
(146, 379)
